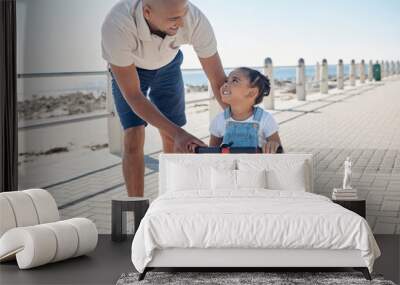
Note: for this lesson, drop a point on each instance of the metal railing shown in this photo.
(60, 74)
(320, 78)
(39, 123)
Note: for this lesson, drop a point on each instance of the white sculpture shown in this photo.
(347, 174)
(31, 231)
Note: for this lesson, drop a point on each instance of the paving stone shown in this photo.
(79, 212)
(373, 207)
(391, 193)
(393, 187)
(389, 220)
(371, 221)
(380, 183)
(383, 213)
(384, 228)
(390, 205)
(374, 199)
(392, 198)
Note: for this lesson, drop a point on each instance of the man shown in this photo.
(140, 41)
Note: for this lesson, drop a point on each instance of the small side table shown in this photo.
(119, 207)
(358, 206)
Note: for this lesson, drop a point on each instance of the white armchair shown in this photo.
(31, 230)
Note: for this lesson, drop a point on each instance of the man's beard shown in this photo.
(161, 34)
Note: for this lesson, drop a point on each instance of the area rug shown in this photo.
(243, 278)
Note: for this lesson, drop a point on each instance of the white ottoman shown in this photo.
(31, 232)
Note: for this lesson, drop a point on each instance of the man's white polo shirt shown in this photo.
(126, 37)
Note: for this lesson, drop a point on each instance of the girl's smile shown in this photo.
(226, 93)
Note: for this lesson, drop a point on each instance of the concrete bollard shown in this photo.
(340, 74)
(387, 68)
(393, 68)
(370, 71)
(353, 73)
(214, 107)
(317, 75)
(398, 67)
(362, 71)
(383, 71)
(301, 80)
(324, 77)
(269, 101)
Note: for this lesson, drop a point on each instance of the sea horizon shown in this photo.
(97, 84)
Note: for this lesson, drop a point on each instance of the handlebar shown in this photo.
(228, 149)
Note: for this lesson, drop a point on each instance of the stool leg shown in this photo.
(118, 222)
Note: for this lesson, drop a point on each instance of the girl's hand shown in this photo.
(273, 143)
(271, 147)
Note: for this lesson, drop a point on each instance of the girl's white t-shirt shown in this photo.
(268, 126)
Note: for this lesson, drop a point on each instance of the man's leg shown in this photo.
(133, 161)
(133, 125)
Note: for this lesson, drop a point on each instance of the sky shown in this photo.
(64, 35)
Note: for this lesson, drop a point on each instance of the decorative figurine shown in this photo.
(347, 174)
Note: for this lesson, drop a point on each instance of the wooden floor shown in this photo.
(103, 266)
(106, 264)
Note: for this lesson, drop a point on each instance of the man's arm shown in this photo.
(212, 66)
(128, 81)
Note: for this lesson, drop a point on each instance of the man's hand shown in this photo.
(129, 83)
(185, 142)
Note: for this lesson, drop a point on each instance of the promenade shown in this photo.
(360, 121)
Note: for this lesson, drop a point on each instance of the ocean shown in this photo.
(197, 77)
(97, 84)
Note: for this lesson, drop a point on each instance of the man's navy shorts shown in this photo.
(166, 90)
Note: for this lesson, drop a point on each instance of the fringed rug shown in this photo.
(243, 278)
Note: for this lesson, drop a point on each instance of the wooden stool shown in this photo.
(119, 207)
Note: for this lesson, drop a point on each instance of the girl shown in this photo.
(243, 124)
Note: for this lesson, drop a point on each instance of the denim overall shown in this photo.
(242, 134)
